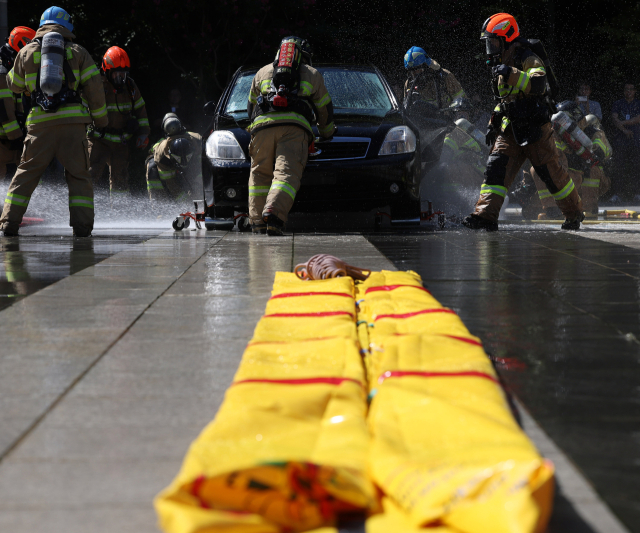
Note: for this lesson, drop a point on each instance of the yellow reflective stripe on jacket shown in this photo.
(253, 98)
(566, 191)
(15, 79)
(326, 99)
(154, 184)
(100, 112)
(17, 199)
(459, 94)
(561, 145)
(265, 86)
(603, 147)
(143, 122)
(305, 88)
(472, 144)
(326, 129)
(166, 174)
(68, 53)
(31, 81)
(10, 126)
(448, 141)
(281, 117)
(36, 58)
(6, 93)
(87, 73)
(523, 81)
(116, 108)
(591, 182)
(493, 189)
(138, 103)
(37, 115)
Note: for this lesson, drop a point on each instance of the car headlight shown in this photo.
(223, 145)
(399, 140)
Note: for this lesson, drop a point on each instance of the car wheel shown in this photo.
(405, 209)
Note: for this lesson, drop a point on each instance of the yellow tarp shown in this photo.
(293, 446)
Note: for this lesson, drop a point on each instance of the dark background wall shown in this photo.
(196, 45)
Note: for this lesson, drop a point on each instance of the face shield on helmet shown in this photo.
(493, 46)
(180, 152)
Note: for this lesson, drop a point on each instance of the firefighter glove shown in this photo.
(501, 70)
(490, 137)
(142, 141)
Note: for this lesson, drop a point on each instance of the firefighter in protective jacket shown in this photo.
(127, 118)
(56, 123)
(520, 127)
(428, 82)
(174, 168)
(584, 163)
(284, 100)
(11, 129)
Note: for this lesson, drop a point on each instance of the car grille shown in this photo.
(341, 149)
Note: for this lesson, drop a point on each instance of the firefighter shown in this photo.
(464, 147)
(127, 118)
(174, 168)
(589, 179)
(428, 82)
(56, 123)
(283, 100)
(11, 129)
(520, 126)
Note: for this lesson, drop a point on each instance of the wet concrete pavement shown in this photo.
(108, 374)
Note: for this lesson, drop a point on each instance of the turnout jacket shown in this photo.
(9, 129)
(22, 78)
(167, 173)
(312, 88)
(461, 146)
(448, 87)
(120, 107)
(601, 148)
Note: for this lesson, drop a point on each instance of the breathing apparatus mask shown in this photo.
(118, 79)
(7, 56)
(494, 50)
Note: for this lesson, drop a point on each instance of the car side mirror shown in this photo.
(210, 108)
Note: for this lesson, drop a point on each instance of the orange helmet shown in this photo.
(20, 36)
(500, 25)
(115, 58)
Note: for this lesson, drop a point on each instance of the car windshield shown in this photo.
(352, 91)
(356, 91)
(237, 103)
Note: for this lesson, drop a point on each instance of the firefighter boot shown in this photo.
(260, 229)
(573, 223)
(274, 224)
(476, 222)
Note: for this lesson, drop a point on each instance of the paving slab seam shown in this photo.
(82, 374)
(626, 335)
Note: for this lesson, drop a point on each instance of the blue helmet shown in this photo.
(416, 57)
(56, 15)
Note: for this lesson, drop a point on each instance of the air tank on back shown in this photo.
(52, 56)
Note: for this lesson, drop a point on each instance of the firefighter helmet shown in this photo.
(20, 36)
(305, 47)
(572, 109)
(415, 58)
(56, 15)
(498, 31)
(180, 152)
(171, 125)
(115, 58)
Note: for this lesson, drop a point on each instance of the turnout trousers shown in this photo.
(590, 184)
(278, 157)
(504, 162)
(68, 143)
(116, 156)
(7, 157)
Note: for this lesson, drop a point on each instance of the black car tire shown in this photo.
(405, 209)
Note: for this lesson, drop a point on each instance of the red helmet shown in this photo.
(500, 25)
(115, 58)
(20, 36)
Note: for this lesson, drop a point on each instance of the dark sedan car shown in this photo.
(373, 160)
